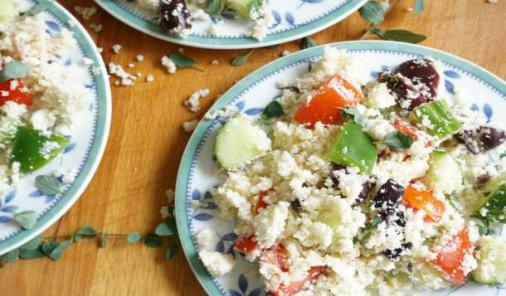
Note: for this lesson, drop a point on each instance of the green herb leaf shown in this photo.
(152, 240)
(85, 232)
(371, 226)
(272, 110)
(54, 250)
(166, 229)
(503, 155)
(494, 208)
(240, 60)
(398, 141)
(33, 244)
(356, 116)
(48, 185)
(31, 254)
(172, 251)
(215, 7)
(399, 35)
(26, 219)
(419, 6)
(307, 42)
(181, 60)
(13, 70)
(9, 257)
(373, 12)
(134, 237)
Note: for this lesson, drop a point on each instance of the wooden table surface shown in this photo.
(146, 143)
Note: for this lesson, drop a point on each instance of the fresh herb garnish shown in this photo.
(167, 228)
(399, 35)
(373, 12)
(181, 60)
(307, 42)
(369, 229)
(273, 109)
(13, 70)
(398, 141)
(240, 60)
(48, 185)
(494, 208)
(26, 219)
(134, 237)
(354, 114)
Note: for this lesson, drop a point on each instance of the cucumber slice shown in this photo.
(244, 7)
(240, 141)
(491, 261)
(444, 173)
(8, 10)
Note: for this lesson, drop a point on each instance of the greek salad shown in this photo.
(348, 185)
(40, 101)
(177, 16)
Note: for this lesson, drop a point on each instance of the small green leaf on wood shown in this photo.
(134, 237)
(419, 6)
(33, 244)
(26, 219)
(48, 185)
(398, 141)
(54, 250)
(181, 60)
(152, 241)
(172, 251)
(241, 60)
(399, 35)
(31, 254)
(9, 257)
(307, 42)
(85, 232)
(373, 12)
(13, 70)
(165, 229)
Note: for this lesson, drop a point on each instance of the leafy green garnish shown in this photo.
(26, 219)
(134, 237)
(172, 251)
(151, 240)
(13, 70)
(372, 11)
(86, 232)
(272, 110)
(48, 185)
(399, 35)
(240, 60)
(354, 114)
(181, 60)
(369, 229)
(494, 208)
(307, 42)
(398, 141)
(167, 228)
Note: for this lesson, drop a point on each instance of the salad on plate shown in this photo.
(352, 186)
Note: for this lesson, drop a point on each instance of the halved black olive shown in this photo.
(175, 16)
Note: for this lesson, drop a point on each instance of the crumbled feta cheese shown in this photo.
(126, 78)
(86, 12)
(189, 126)
(116, 48)
(169, 64)
(216, 263)
(207, 239)
(139, 58)
(193, 102)
(97, 27)
(150, 78)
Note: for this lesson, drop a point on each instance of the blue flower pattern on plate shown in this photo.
(243, 284)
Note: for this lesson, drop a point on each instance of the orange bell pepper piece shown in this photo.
(328, 101)
(424, 200)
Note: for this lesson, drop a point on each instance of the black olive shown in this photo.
(366, 190)
(491, 137)
(389, 196)
(402, 87)
(396, 253)
(175, 16)
(467, 138)
(296, 206)
(421, 71)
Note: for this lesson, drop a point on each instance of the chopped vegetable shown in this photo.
(491, 261)
(276, 255)
(33, 150)
(406, 129)
(451, 256)
(398, 141)
(261, 204)
(245, 244)
(421, 199)
(7, 10)
(297, 286)
(353, 147)
(437, 118)
(240, 141)
(244, 7)
(328, 101)
(14, 90)
(444, 173)
(494, 208)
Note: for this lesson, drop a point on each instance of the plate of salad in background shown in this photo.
(356, 168)
(55, 112)
(230, 24)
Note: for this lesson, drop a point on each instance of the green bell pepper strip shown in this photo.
(494, 208)
(28, 148)
(437, 119)
(353, 147)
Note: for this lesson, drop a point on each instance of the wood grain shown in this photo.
(147, 141)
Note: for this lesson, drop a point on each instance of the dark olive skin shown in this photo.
(175, 16)
(482, 139)
(491, 137)
(389, 196)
